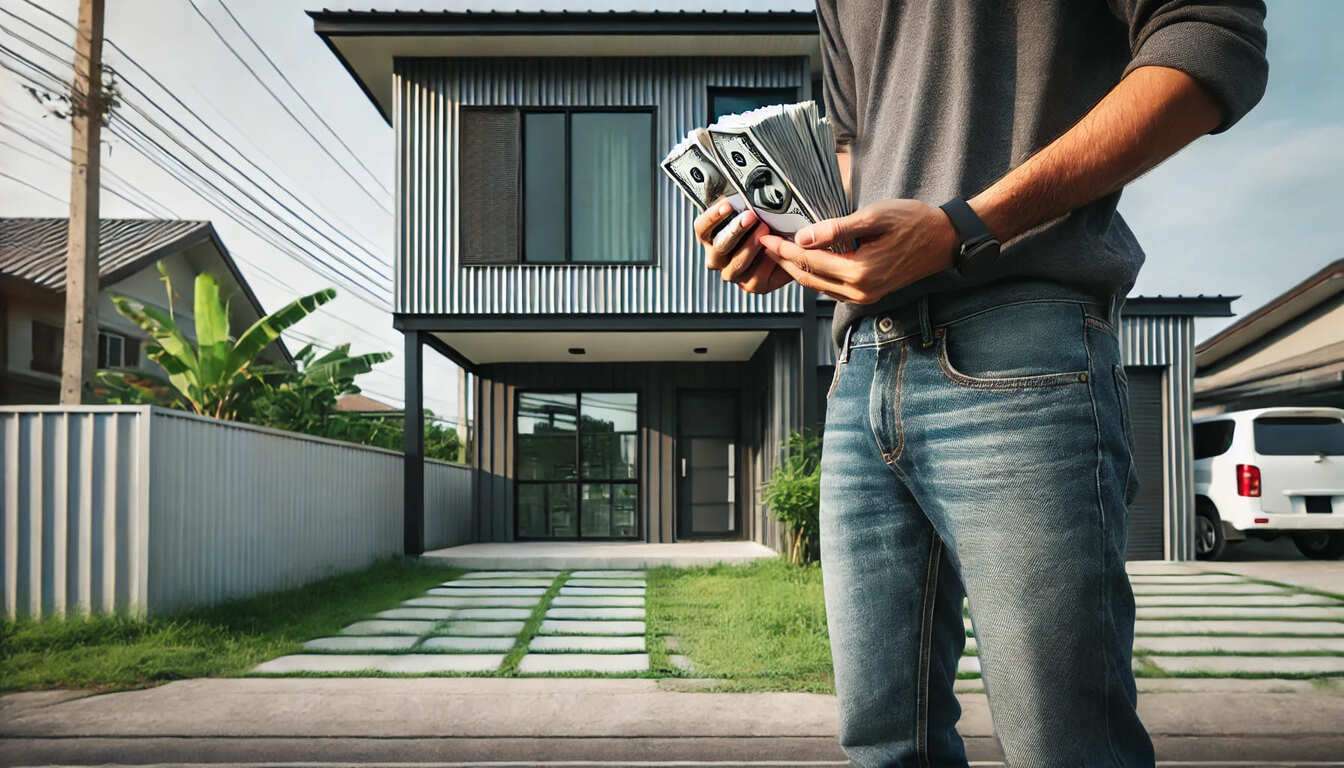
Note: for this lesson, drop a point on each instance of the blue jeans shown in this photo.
(979, 446)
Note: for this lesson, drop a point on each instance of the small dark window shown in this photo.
(1299, 436)
(117, 351)
(47, 342)
(1213, 438)
(488, 186)
(730, 101)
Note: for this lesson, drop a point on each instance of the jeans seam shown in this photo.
(1016, 382)
(899, 450)
(926, 650)
(1105, 563)
(1021, 302)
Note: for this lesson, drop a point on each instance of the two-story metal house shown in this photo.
(620, 389)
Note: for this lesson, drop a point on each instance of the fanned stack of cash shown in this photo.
(779, 161)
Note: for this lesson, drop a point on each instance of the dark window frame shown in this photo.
(569, 112)
(40, 364)
(579, 480)
(787, 94)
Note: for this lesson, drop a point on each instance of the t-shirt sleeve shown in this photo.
(1221, 44)
(837, 75)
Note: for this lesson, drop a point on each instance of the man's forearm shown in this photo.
(1145, 119)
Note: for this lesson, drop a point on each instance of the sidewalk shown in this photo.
(483, 720)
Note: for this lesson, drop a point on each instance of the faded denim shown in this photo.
(980, 446)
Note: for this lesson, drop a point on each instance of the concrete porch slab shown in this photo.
(599, 555)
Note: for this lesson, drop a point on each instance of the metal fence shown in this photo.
(132, 509)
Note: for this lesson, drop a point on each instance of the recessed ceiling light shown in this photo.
(577, 351)
(701, 350)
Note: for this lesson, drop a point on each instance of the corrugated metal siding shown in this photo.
(428, 278)
(448, 519)
(237, 510)
(120, 509)
(75, 511)
(1169, 342)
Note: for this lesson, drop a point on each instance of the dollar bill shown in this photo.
(702, 181)
(766, 190)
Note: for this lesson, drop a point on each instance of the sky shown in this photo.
(1249, 213)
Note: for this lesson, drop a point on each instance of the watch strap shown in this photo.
(969, 226)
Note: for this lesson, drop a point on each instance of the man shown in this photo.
(977, 438)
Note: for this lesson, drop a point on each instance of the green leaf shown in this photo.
(268, 329)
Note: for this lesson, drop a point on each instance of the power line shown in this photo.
(106, 186)
(36, 189)
(299, 94)
(286, 108)
(341, 231)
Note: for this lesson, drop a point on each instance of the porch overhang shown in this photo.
(368, 43)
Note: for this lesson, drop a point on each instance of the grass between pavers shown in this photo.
(111, 653)
(1293, 587)
(519, 650)
(756, 627)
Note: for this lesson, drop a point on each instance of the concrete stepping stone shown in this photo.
(1208, 589)
(1160, 568)
(355, 644)
(496, 583)
(466, 644)
(1207, 644)
(595, 613)
(681, 662)
(553, 643)
(1146, 601)
(603, 591)
(570, 601)
(405, 663)
(425, 614)
(389, 627)
(1239, 627)
(605, 583)
(1257, 665)
(491, 614)
(1207, 578)
(608, 663)
(968, 665)
(472, 602)
(481, 628)
(607, 575)
(506, 575)
(566, 627)
(486, 592)
(1335, 613)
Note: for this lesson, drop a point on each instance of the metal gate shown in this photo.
(1147, 513)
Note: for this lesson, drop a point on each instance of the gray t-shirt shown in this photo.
(940, 99)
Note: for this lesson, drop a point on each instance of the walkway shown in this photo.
(590, 555)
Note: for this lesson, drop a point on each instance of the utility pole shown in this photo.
(80, 349)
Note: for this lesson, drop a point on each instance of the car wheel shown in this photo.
(1320, 545)
(1210, 544)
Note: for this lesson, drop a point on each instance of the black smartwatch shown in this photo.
(977, 247)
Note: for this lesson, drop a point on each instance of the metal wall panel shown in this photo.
(1169, 341)
(75, 510)
(130, 509)
(428, 276)
(448, 519)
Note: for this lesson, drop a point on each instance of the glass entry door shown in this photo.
(707, 465)
(577, 465)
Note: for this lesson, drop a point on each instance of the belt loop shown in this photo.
(844, 347)
(925, 323)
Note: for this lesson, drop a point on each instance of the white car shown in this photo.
(1270, 472)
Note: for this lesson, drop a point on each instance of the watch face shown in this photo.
(976, 254)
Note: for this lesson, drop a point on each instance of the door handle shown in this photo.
(683, 466)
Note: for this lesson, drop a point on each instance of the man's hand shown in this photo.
(900, 242)
(735, 252)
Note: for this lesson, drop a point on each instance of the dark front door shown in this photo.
(707, 460)
(1147, 512)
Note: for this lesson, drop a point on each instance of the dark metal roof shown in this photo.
(523, 22)
(1188, 306)
(34, 249)
(1287, 306)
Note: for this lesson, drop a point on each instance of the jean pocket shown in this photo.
(835, 379)
(1019, 346)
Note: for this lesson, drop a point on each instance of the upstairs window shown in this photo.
(732, 101)
(556, 186)
(47, 342)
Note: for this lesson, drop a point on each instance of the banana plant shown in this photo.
(216, 375)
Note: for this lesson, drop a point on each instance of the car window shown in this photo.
(1299, 436)
(1213, 438)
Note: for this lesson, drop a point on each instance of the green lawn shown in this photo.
(756, 627)
(117, 652)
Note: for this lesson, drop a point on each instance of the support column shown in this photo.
(413, 530)
(808, 349)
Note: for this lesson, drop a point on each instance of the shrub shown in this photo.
(793, 495)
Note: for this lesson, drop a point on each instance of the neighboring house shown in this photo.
(363, 404)
(32, 292)
(620, 389)
(1288, 352)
